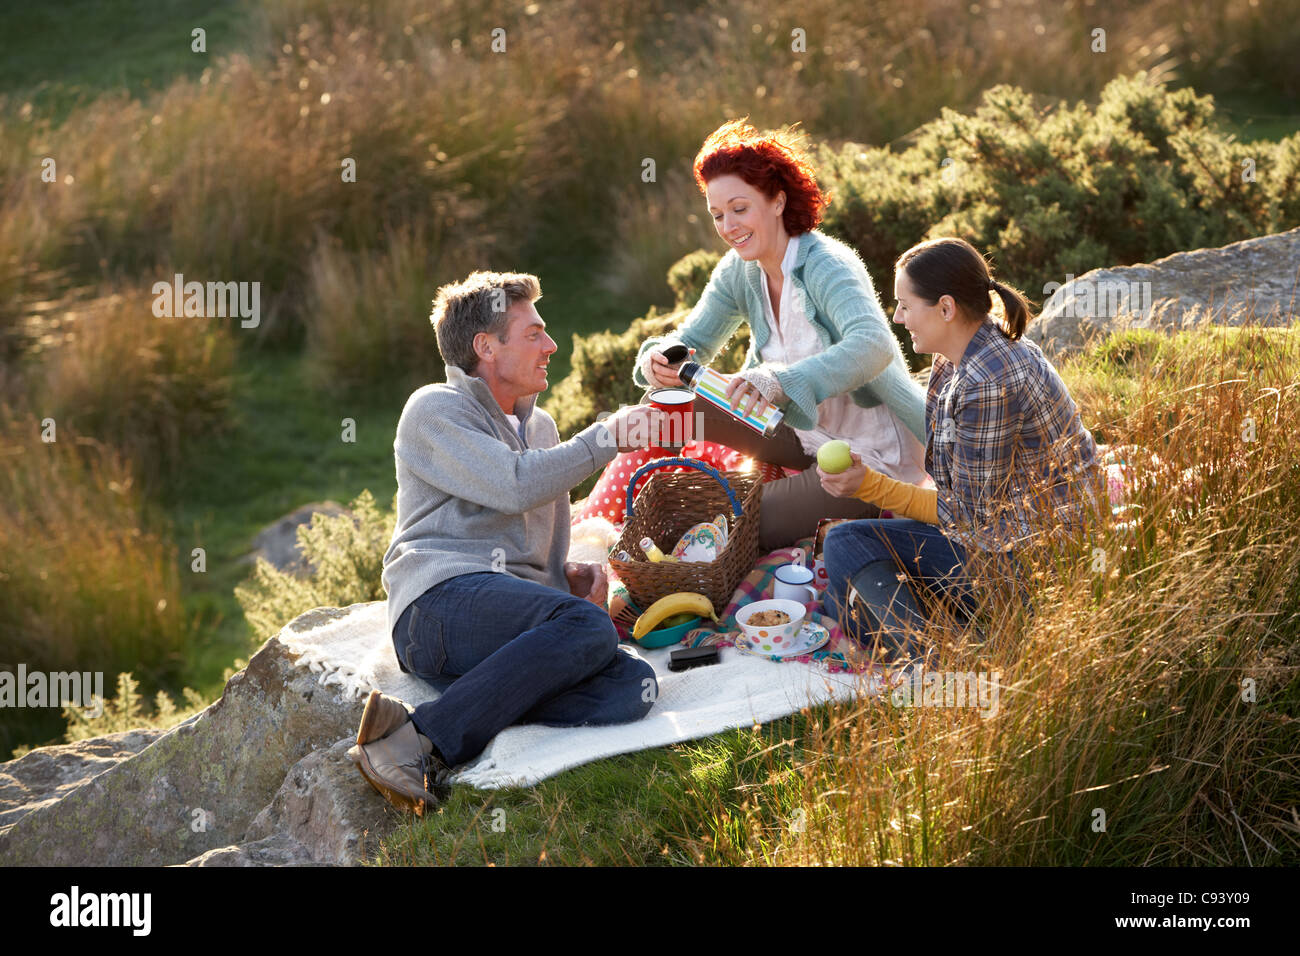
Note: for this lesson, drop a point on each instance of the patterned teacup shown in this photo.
(770, 638)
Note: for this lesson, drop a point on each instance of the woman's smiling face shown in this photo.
(747, 220)
(926, 322)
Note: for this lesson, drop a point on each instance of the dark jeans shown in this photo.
(507, 651)
(928, 557)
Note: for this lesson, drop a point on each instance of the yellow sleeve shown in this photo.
(900, 497)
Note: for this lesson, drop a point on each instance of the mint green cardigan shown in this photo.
(860, 354)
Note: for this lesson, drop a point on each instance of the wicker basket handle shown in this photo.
(713, 473)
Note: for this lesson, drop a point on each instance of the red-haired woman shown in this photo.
(1011, 459)
(820, 346)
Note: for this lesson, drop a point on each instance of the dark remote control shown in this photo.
(688, 657)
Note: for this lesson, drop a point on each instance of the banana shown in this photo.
(666, 607)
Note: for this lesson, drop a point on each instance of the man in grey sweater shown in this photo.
(481, 603)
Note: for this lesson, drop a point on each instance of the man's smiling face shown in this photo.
(517, 366)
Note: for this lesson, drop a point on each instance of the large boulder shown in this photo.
(259, 775)
(1254, 281)
(47, 774)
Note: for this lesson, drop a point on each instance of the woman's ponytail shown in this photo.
(1015, 307)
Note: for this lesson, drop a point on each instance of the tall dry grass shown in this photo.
(1147, 709)
(232, 177)
(369, 310)
(657, 223)
(108, 368)
(87, 582)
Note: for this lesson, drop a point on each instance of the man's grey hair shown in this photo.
(461, 310)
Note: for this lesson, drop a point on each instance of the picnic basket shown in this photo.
(668, 506)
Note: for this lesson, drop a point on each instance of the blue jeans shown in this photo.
(927, 556)
(506, 651)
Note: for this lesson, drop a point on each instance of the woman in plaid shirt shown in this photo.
(1011, 460)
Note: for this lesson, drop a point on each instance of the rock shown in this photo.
(202, 785)
(278, 541)
(280, 850)
(47, 774)
(1252, 281)
(323, 813)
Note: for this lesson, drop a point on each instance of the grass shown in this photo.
(87, 575)
(68, 51)
(629, 810)
(1258, 115)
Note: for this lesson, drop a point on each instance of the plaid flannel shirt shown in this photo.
(1006, 446)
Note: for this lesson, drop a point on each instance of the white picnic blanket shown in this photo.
(355, 653)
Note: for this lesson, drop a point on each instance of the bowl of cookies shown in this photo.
(768, 626)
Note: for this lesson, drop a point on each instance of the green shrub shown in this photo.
(1043, 194)
(346, 555)
(127, 710)
(1048, 193)
(690, 274)
(600, 376)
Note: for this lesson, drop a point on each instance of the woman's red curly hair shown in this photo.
(770, 162)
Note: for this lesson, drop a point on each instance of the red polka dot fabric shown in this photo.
(609, 498)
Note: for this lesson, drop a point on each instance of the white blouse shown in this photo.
(875, 434)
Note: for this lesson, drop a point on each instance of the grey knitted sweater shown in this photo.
(471, 496)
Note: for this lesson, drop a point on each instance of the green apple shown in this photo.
(835, 457)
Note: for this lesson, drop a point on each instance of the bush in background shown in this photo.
(688, 276)
(1046, 193)
(346, 557)
(232, 176)
(1043, 193)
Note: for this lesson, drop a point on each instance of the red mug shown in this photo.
(678, 405)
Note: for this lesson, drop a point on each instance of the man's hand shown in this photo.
(638, 426)
(587, 581)
(846, 482)
(663, 374)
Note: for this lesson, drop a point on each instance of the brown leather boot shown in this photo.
(383, 715)
(397, 765)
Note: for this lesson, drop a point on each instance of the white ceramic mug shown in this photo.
(794, 583)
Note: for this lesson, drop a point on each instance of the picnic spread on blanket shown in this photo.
(691, 534)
